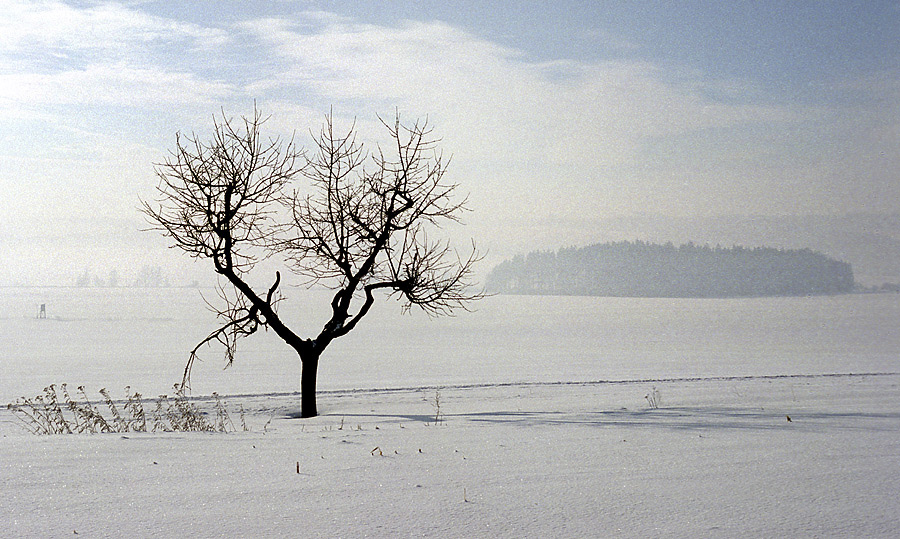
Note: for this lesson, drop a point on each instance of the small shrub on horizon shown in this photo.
(48, 414)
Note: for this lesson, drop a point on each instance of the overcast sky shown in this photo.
(557, 114)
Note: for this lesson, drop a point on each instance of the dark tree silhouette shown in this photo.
(361, 224)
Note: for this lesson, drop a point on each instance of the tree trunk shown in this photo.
(308, 366)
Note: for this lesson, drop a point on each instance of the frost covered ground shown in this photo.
(718, 458)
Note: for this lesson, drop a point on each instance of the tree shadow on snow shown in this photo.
(680, 418)
(697, 418)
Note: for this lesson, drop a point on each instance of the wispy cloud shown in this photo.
(110, 28)
(434, 66)
(567, 134)
(111, 84)
(55, 54)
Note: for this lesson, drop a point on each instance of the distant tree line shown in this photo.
(639, 269)
(147, 277)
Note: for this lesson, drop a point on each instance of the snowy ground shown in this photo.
(719, 458)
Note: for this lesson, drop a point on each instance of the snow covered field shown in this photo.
(545, 430)
(718, 458)
(141, 337)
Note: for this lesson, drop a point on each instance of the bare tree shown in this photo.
(361, 225)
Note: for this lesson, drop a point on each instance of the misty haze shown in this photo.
(316, 269)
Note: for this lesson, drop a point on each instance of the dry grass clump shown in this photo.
(54, 412)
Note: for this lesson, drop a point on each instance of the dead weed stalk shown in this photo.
(53, 412)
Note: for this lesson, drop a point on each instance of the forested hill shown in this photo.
(638, 269)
